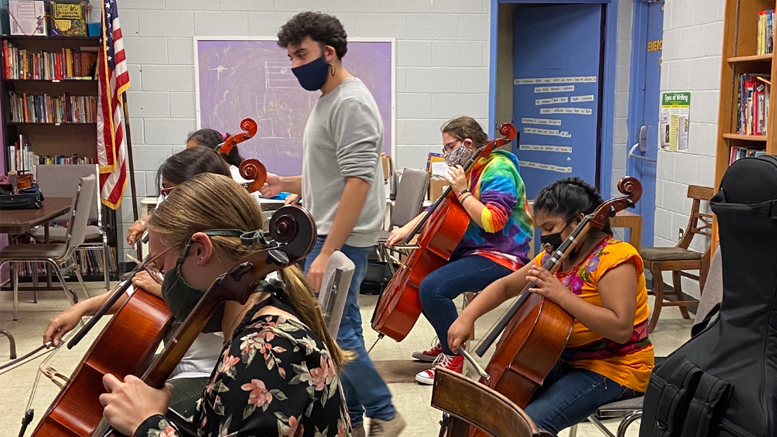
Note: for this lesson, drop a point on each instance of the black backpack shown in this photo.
(723, 381)
(377, 277)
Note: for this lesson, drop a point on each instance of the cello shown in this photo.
(399, 305)
(128, 342)
(536, 330)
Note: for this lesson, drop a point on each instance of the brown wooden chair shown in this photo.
(679, 258)
(468, 402)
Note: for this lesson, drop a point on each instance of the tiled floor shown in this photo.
(411, 399)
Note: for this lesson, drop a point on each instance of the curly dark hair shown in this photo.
(569, 197)
(320, 27)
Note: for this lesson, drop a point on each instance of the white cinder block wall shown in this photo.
(442, 57)
(693, 43)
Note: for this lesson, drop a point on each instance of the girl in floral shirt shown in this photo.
(278, 371)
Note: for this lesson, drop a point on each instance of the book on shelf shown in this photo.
(753, 104)
(30, 108)
(69, 18)
(68, 64)
(743, 152)
(22, 158)
(765, 43)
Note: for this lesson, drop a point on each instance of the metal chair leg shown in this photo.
(106, 267)
(573, 431)
(11, 341)
(32, 267)
(600, 426)
(15, 280)
(77, 272)
(631, 417)
(72, 298)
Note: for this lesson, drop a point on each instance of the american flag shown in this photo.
(113, 80)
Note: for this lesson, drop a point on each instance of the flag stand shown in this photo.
(131, 171)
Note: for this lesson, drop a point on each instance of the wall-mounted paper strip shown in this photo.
(547, 167)
(554, 89)
(545, 148)
(545, 121)
(548, 132)
(551, 101)
(546, 80)
(588, 98)
(579, 111)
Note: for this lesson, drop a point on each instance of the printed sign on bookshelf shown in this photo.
(673, 129)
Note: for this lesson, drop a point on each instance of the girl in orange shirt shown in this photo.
(602, 285)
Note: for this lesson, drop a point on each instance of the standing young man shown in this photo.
(342, 187)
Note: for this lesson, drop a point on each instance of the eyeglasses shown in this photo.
(166, 191)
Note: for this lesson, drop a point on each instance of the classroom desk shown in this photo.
(19, 221)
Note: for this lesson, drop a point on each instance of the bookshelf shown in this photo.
(741, 56)
(52, 105)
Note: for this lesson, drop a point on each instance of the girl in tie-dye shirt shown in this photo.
(494, 245)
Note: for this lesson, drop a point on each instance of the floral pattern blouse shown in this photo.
(276, 378)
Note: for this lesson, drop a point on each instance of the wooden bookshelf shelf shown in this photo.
(51, 124)
(50, 81)
(54, 37)
(756, 138)
(740, 37)
(753, 58)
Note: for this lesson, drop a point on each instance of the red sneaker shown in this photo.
(450, 362)
(430, 355)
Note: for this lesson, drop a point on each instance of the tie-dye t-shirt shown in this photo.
(507, 225)
(630, 363)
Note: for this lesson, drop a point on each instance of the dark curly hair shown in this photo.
(212, 138)
(320, 27)
(568, 197)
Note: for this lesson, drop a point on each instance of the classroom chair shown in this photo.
(678, 259)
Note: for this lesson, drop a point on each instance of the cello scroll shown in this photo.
(250, 169)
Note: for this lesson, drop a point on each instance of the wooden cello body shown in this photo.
(535, 330)
(125, 346)
(399, 305)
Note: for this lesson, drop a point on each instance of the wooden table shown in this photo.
(632, 221)
(19, 221)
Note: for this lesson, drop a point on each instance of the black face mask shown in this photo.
(181, 298)
(551, 242)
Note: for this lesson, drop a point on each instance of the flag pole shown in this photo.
(131, 171)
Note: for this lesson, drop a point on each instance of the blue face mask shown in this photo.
(312, 76)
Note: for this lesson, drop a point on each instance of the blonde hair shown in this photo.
(200, 204)
(462, 128)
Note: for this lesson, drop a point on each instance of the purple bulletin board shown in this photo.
(252, 78)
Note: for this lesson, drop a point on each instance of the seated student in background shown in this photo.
(212, 138)
(191, 375)
(496, 241)
(602, 285)
(278, 372)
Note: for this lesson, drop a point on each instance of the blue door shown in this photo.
(645, 99)
(556, 93)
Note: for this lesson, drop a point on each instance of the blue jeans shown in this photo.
(439, 288)
(569, 395)
(365, 390)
